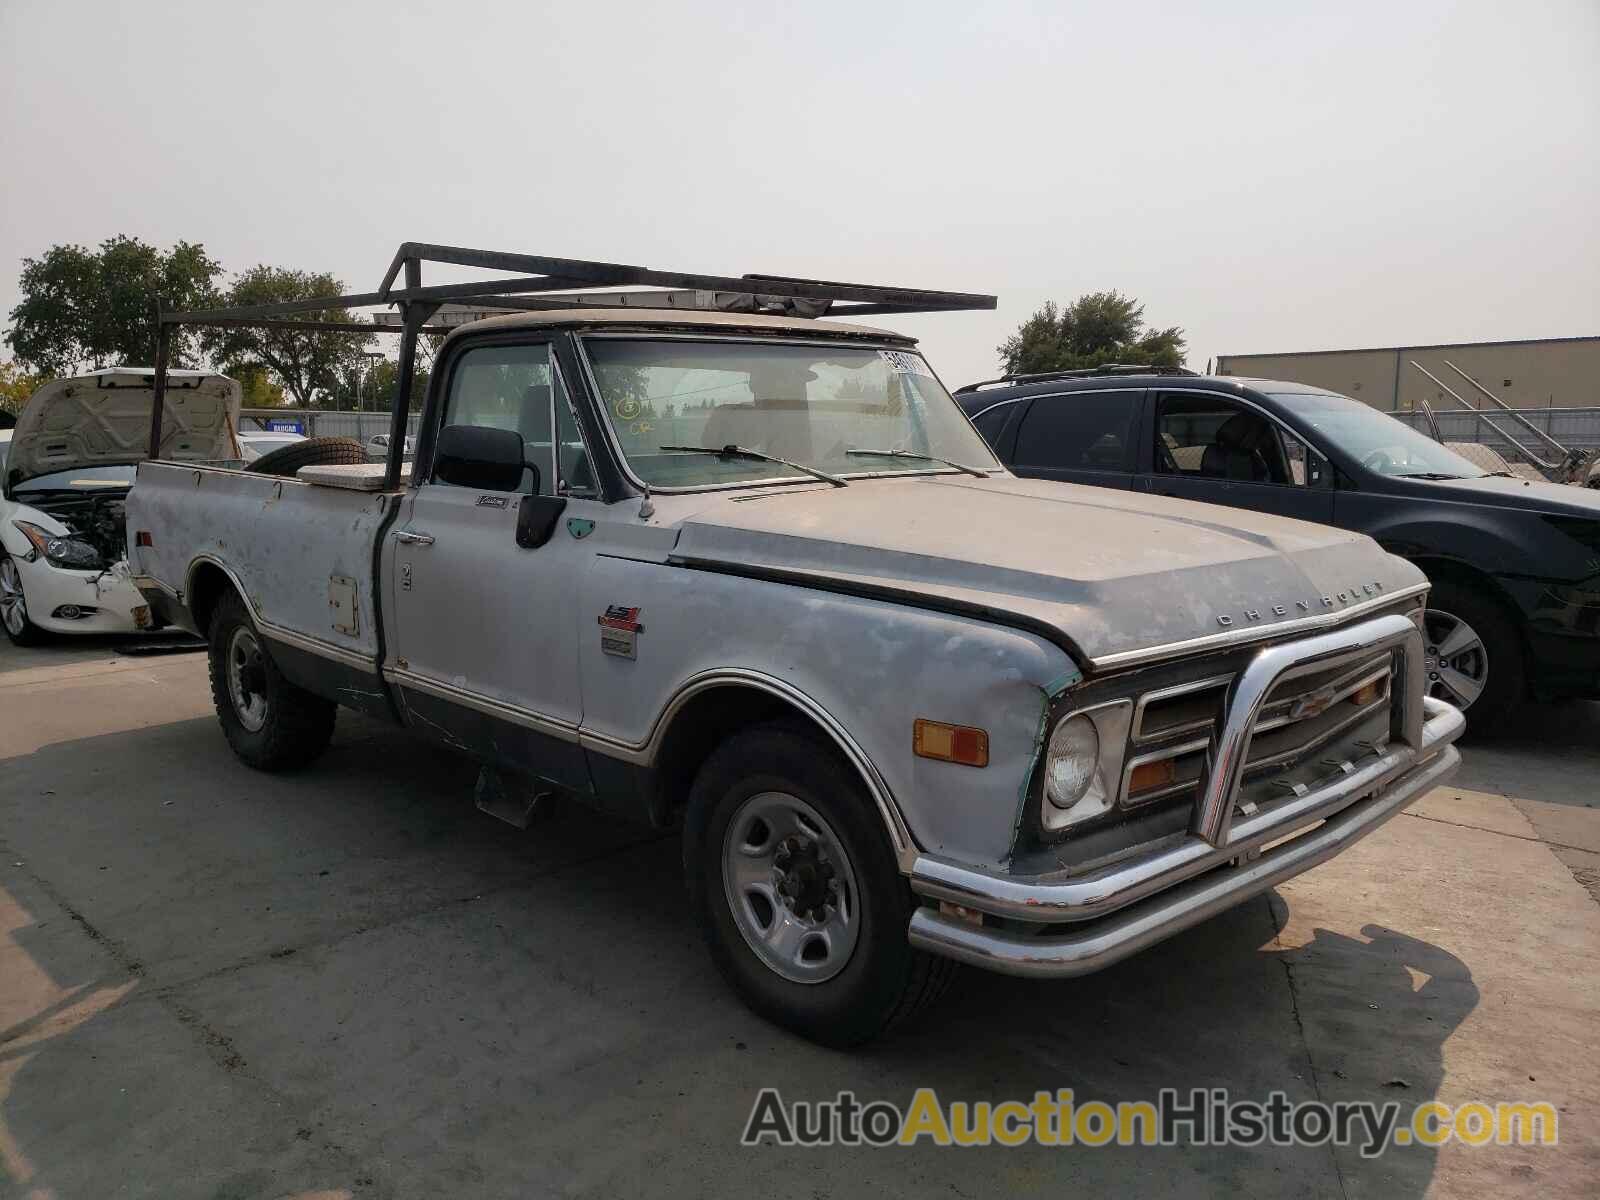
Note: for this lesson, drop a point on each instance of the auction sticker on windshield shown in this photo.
(905, 364)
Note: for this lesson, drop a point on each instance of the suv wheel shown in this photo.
(1473, 655)
(797, 893)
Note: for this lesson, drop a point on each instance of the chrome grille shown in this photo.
(1299, 718)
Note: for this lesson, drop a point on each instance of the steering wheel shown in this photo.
(1378, 461)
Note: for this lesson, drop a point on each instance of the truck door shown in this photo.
(484, 646)
(1208, 447)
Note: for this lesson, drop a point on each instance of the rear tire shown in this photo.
(271, 724)
(1459, 616)
(782, 788)
(313, 452)
(14, 607)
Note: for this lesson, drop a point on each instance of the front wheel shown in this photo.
(797, 892)
(1472, 655)
(14, 606)
(271, 724)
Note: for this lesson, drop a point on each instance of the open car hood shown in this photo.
(103, 419)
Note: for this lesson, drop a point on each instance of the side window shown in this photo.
(1078, 430)
(1214, 438)
(508, 387)
(992, 421)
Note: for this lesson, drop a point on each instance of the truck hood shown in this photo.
(1114, 573)
(1528, 494)
(103, 419)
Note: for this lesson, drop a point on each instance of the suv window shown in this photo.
(991, 422)
(1079, 431)
(1214, 438)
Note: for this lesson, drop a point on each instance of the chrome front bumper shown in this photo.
(1119, 910)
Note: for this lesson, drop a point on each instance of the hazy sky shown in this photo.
(1271, 176)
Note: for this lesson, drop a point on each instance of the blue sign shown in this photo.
(280, 425)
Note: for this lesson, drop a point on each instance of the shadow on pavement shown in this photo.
(350, 980)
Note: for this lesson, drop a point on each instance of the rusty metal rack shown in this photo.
(558, 279)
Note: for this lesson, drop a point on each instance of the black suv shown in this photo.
(1515, 565)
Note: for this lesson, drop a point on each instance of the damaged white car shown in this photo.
(65, 471)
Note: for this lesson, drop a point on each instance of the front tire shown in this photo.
(1473, 655)
(271, 724)
(797, 892)
(19, 626)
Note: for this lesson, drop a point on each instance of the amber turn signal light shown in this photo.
(950, 743)
(1367, 694)
(1152, 775)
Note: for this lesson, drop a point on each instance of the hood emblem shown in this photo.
(1272, 611)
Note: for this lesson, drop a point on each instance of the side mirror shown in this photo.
(478, 456)
(536, 519)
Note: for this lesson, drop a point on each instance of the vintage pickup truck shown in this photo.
(758, 576)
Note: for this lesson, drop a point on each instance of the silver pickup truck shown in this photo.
(758, 576)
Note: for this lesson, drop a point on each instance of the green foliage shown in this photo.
(304, 362)
(83, 309)
(1095, 329)
(259, 389)
(16, 385)
(370, 386)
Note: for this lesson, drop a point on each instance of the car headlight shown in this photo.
(61, 551)
(1071, 761)
(1083, 764)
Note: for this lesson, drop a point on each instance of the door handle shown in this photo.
(414, 539)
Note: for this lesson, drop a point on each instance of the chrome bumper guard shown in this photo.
(1223, 860)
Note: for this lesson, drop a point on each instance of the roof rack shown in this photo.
(1077, 373)
(540, 283)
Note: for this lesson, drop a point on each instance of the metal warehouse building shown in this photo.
(1546, 373)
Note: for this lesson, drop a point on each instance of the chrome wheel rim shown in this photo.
(13, 604)
(1455, 661)
(791, 887)
(247, 679)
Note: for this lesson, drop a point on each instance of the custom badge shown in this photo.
(619, 631)
(580, 527)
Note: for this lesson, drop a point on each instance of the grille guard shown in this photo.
(1421, 730)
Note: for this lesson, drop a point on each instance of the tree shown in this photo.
(1095, 329)
(259, 390)
(304, 362)
(91, 309)
(16, 385)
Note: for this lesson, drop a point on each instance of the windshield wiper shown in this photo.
(1428, 475)
(731, 451)
(933, 458)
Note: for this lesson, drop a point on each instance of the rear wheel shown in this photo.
(271, 724)
(1473, 656)
(14, 606)
(797, 892)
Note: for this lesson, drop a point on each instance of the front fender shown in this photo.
(871, 667)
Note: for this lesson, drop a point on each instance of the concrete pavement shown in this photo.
(350, 983)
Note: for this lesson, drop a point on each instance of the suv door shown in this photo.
(1213, 448)
(485, 645)
(1080, 437)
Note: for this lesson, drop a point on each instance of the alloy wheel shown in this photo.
(13, 604)
(1455, 662)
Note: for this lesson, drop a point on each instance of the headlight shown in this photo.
(61, 551)
(1071, 761)
(1083, 764)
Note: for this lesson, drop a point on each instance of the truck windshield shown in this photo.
(811, 404)
(1375, 439)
